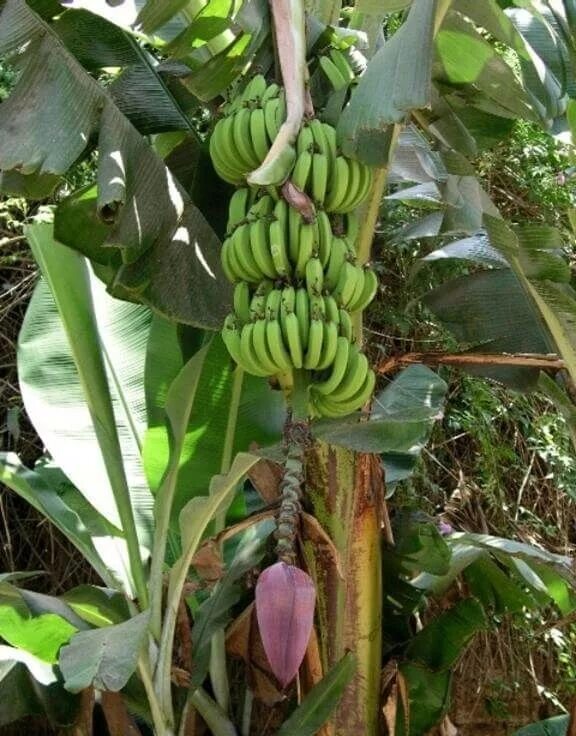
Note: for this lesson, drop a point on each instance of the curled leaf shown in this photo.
(285, 599)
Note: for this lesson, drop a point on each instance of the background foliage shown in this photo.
(497, 463)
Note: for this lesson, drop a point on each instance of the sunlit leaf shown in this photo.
(46, 124)
(100, 543)
(397, 80)
(41, 635)
(81, 359)
(261, 413)
(439, 644)
(401, 420)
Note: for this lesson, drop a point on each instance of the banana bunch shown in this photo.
(334, 182)
(276, 330)
(297, 282)
(241, 140)
(337, 69)
(271, 241)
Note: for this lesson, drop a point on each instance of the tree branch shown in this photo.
(523, 360)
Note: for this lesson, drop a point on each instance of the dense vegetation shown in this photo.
(477, 531)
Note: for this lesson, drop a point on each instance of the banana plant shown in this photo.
(171, 462)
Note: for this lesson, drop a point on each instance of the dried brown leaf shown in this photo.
(208, 562)
(266, 476)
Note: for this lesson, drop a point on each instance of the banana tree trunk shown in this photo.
(344, 490)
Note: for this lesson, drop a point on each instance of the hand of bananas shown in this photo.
(296, 282)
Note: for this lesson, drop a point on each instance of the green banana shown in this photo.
(368, 292)
(254, 90)
(229, 256)
(224, 163)
(238, 207)
(339, 366)
(260, 141)
(294, 223)
(346, 325)
(292, 334)
(274, 172)
(329, 345)
(353, 380)
(274, 115)
(263, 355)
(258, 303)
(338, 257)
(302, 169)
(320, 139)
(241, 248)
(260, 248)
(344, 67)
(263, 207)
(331, 148)
(358, 290)
(273, 90)
(346, 284)
(334, 75)
(306, 241)
(278, 246)
(306, 323)
(273, 302)
(248, 359)
(352, 226)
(317, 306)
(305, 140)
(331, 309)
(241, 138)
(354, 403)
(339, 185)
(315, 341)
(287, 305)
(241, 301)
(227, 267)
(354, 181)
(365, 184)
(352, 255)
(276, 347)
(324, 236)
(231, 338)
(302, 309)
(314, 276)
(319, 177)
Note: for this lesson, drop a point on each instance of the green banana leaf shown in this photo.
(170, 254)
(557, 726)
(48, 490)
(260, 413)
(398, 80)
(81, 361)
(105, 658)
(316, 707)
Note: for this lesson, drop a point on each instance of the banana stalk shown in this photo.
(289, 30)
(345, 491)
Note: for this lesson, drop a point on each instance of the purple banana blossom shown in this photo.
(285, 599)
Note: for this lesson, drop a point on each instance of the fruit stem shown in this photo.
(369, 218)
(290, 37)
(296, 440)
